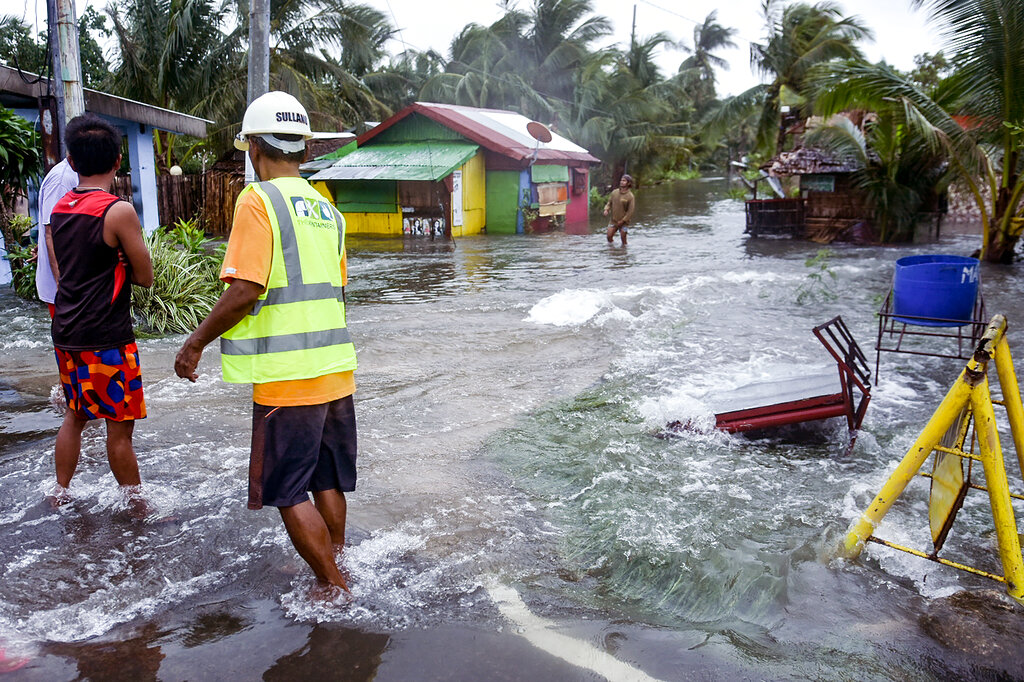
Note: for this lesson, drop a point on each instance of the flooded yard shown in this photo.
(517, 516)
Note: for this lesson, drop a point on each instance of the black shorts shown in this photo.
(300, 449)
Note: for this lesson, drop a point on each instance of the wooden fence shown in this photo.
(775, 216)
(209, 197)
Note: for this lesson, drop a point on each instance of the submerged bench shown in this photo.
(844, 392)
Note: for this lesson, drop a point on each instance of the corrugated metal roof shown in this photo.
(503, 132)
(804, 160)
(407, 161)
(316, 165)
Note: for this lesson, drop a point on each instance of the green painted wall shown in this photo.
(548, 173)
(366, 196)
(416, 128)
(502, 201)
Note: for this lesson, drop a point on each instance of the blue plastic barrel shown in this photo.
(942, 288)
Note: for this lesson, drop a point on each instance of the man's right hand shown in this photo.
(187, 359)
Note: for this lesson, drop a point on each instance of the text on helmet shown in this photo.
(291, 117)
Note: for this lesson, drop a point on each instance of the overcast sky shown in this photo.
(900, 32)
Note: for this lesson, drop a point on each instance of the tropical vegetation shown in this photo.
(186, 281)
(20, 160)
(21, 255)
(973, 115)
(956, 117)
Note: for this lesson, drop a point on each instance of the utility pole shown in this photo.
(259, 60)
(67, 64)
(632, 33)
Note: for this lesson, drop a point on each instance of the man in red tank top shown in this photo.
(100, 252)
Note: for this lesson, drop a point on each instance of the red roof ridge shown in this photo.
(453, 116)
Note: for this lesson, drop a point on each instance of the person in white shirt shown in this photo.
(61, 179)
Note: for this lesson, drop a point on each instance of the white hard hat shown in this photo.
(275, 113)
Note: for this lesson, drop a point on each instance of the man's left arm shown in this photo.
(50, 256)
(121, 229)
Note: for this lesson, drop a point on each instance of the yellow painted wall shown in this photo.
(474, 202)
(474, 206)
(389, 224)
(386, 224)
(323, 189)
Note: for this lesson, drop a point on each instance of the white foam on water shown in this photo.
(389, 586)
(749, 276)
(27, 559)
(572, 307)
(175, 389)
(105, 608)
(681, 404)
(22, 344)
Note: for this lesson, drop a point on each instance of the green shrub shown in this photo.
(818, 287)
(680, 174)
(186, 281)
(597, 200)
(737, 192)
(22, 257)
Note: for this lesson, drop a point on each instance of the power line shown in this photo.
(695, 22)
(401, 38)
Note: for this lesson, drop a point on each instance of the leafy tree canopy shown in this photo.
(18, 47)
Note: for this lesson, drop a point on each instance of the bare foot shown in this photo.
(59, 497)
(330, 594)
(138, 507)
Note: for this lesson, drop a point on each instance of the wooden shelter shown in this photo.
(829, 205)
(832, 205)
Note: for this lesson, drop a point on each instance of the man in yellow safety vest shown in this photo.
(282, 326)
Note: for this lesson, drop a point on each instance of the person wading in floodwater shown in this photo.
(622, 205)
(99, 253)
(282, 327)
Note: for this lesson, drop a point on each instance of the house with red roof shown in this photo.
(442, 169)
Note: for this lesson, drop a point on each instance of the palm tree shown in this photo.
(527, 61)
(164, 50)
(623, 122)
(319, 52)
(975, 115)
(897, 168)
(484, 69)
(177, 54)
(401, 81)
(639, 59)
(698, 70)
(800, 36)
(174, 54)
(558, 42)
(985, 37)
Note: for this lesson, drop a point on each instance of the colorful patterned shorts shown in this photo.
(103, 383)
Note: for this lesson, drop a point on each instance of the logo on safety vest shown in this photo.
(318, 210)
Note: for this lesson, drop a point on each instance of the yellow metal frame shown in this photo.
(971, 391)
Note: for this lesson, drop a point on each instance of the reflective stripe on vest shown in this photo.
(292, 343)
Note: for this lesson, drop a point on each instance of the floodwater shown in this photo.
(516, 517)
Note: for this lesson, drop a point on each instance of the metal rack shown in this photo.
(898, 329)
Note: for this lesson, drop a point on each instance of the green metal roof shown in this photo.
(406, 161)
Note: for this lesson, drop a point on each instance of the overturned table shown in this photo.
(845, 392)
